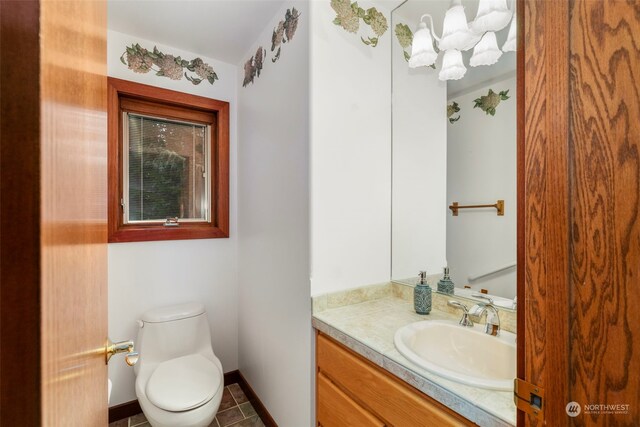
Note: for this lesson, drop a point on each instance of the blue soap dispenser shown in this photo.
(445, 285)
(422, 295)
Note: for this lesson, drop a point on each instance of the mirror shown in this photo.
(453, 142)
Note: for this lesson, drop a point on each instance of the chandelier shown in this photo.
(458, 35)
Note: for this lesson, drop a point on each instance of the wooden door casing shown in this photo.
(605, 204)
(20, 215)
(543, 191)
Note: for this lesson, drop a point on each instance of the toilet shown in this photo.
(179, 380)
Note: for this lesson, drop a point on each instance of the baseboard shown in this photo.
(124, 410)
(129, 409)
(265, 416)
(232, 377)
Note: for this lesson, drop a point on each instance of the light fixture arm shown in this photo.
(433, 33)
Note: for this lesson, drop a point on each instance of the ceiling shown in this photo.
(410, 13)
(220, 29)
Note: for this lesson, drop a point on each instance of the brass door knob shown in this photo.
(112, 348)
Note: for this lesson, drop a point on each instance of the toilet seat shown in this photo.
(184, 383)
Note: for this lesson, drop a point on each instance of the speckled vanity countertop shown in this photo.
(368, 325)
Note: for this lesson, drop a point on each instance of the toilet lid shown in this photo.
(184, 383)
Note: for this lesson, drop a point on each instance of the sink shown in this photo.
(463, 354)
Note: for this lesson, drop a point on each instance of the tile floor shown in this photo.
(235, 411)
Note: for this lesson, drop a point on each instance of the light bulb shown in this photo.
(486, 51)
(455, 29)
(493, 15)
(452, 66)
(422, 51)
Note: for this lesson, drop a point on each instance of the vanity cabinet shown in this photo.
(351, 391)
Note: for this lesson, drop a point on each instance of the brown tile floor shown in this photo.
(235, 411)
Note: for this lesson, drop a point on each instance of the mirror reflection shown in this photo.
(454, 147)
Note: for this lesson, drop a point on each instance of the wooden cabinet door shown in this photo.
(336, 409)
(385, 396)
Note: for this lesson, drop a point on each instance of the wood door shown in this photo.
(54, 289)
(579, 234)
(605, 209)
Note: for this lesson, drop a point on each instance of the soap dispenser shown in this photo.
(445, 285)
(422, 295)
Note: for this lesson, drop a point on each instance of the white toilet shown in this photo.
(179, 381)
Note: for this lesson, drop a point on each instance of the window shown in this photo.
(165, 169)
(168, 164)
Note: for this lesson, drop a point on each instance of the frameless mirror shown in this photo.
(454, 151)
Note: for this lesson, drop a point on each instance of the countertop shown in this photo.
(368, 328)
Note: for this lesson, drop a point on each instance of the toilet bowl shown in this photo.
(179, 380)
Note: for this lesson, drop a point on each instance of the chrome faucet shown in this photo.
(465, 320)
(492, 326)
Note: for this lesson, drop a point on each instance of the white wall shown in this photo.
(482, 169)
(419, 169)
(152, 274)
(351, 154)
(273, 219)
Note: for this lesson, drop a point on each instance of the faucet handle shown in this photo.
(484, 297)
(457, 304)
(465, 320)
(492, 325)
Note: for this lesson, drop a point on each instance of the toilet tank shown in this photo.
(169, 332)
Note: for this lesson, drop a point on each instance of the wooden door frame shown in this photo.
(20, 392)
(543, 204)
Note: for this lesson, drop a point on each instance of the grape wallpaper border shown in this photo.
(282, 33)
(489, 102)
(141, 60)
(348, 16)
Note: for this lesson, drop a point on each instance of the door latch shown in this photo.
(528, 398)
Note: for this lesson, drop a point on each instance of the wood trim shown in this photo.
(20, 378)
(142, 91)
(257, 404)
(521, 211)
(124, 410)
(219, 226)
(140, 106)
(543, 229)
(232, 377)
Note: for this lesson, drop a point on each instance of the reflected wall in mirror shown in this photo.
(453, 141)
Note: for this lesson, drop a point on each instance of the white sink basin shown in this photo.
(462, 354)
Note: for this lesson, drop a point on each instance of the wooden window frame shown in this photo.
(169, 104)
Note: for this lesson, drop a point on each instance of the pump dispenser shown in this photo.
(422, 295)
(445, 285)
